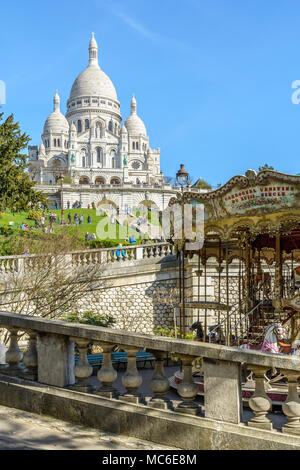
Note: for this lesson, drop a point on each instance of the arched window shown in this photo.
(54, 142)
(133, 145)
(110, 126)
(115, 160)
(99, 180)
(58, 142)
(83, 158)
(115, 180)
(84, 180)
(99, 155)
(87, 124)
(79, 126)
(137, 145)
(98, 130)
(116, 129)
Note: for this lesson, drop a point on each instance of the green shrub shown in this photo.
(170, 333)
(90, 318)
(32, 215)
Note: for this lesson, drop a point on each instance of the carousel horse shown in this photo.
(272, 343)
(197, 325)
(273, 334)
(215, 337)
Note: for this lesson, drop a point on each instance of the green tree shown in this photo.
(265, 167)
(16, 190)
(200, 183)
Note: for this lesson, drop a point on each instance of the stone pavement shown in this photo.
(20, 430)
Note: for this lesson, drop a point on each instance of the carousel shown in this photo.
(251, 226)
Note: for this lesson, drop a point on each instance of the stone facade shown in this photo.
(88, 143)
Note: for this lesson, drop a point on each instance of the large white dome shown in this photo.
(93, 82)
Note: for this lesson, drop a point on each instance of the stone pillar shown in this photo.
(291, 407)
(55, 359)
(131, 379)
(30, 359)
(222, 387)
(107, 374)
(82, 369)
(13, 355)
(260, 403)
(187, 389)
(159, 384)
(139, 252)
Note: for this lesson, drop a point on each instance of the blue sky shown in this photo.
(212, 78)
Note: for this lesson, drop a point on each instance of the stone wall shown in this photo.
(133, 307)
(141, 295)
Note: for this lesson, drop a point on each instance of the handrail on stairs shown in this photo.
(234, 311)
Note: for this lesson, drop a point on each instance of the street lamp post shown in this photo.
(60, 176)
(183, 179)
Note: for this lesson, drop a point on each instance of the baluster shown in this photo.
(291, 407)
(30, 359)
(82, 369)
(260, 403)
(159, 384)
(187, 389)
(13, 355)
(131, 379)
(107, 374)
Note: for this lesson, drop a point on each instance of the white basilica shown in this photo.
(88, 144)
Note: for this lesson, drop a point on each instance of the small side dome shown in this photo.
(134, 123)
(124, 130)
(56, 122)
(73, 127)
(42, 149)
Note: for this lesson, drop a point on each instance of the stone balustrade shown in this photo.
(50, 360)
(10, 264)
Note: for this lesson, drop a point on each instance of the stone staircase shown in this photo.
(264, 316)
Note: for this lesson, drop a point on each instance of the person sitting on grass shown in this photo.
(93, 237)
(132, 240)
(87, 236)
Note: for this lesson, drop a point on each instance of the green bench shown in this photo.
(119, 358)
